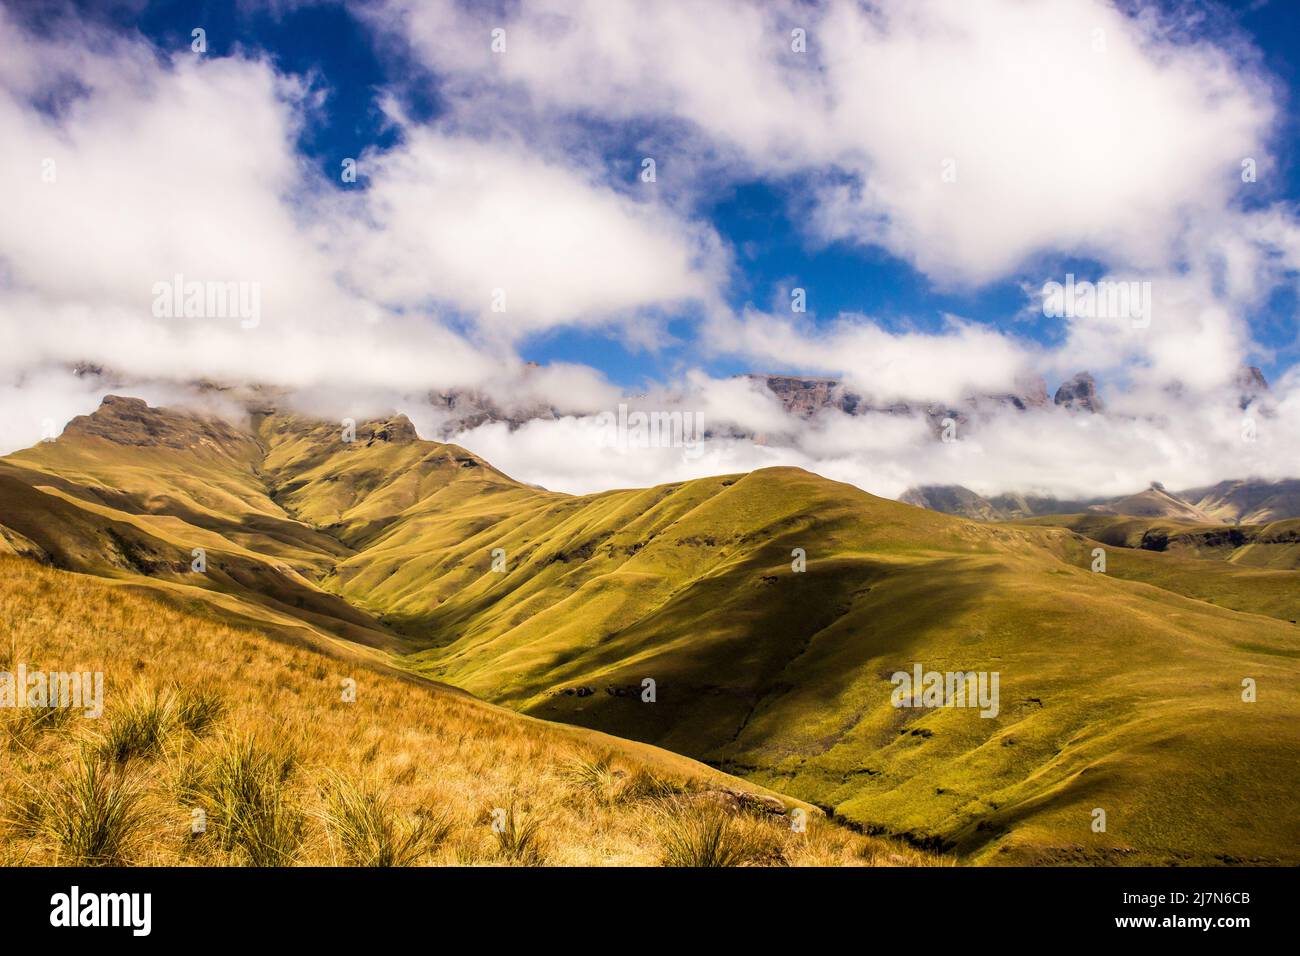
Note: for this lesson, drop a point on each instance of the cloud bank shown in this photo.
(975, 142)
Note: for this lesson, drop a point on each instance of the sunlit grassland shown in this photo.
(205, 718)
(769, 609)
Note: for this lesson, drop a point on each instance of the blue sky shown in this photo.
(756, 216)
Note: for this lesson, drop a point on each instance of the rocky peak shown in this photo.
(468, 408)
(397, 429)
(953, 500)
(1079, 394)
(807, 396)
(133, 422)
(1030, 392)
(1251, 386)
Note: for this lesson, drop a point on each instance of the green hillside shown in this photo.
(1119, 691)
(1250, 568)
(200, 715)
(1275, 544)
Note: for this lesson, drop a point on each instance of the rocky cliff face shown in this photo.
(1030, 393)
(1079, 394)
(1251, 385)
(129, 421)
(953, 500)
(467, 408)
(1248, 501)
(805, 397)
(1155, 502)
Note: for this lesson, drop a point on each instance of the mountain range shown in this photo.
(1236, 502)
(768, 611)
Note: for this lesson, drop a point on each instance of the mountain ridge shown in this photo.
(769, 609)
(1248, 501)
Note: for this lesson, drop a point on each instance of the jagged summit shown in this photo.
(397, 429)
(1079, 394)
(803, 397)
(131, 421)
(1252, 386)
(125, 420)
(806, 396)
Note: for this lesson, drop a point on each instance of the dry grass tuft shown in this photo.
(250, 809)
(202, 716)
(95, 817)
(370, 833)
(707, 835)
(141, 726)
(199, 708)
(519, 836)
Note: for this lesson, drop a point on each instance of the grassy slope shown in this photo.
(1107, 685)
(418, 752)
(1250, 568)
(1248, 502)
(130, 492)
(1114, 692)
(1272, 545)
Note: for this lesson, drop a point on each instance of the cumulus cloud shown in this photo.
(1069, 125)
(515, 241)
(976, 141)
(943, 367)
(1022, 128)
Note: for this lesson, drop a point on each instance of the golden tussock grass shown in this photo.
(219, 746)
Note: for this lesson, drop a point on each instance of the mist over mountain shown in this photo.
(1086, 448)
(363, 540)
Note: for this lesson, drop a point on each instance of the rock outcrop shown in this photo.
(1079, 394)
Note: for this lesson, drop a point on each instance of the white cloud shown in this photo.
(164, 164)
(1180, 440)
(944, 367)
(454, 220)
(1192, 337)
(1073, 127)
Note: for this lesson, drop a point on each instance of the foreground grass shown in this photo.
(218, 746)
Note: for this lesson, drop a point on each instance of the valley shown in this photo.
(1120, 690)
